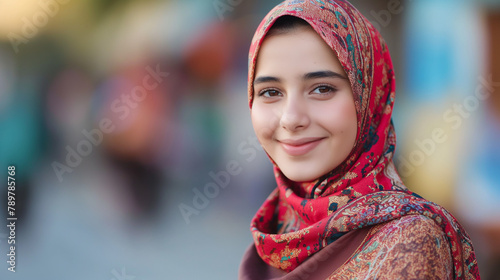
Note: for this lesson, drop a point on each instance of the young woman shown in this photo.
(321, 91)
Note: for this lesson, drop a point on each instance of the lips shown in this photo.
(302, 146)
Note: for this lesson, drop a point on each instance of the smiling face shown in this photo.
(303, 108)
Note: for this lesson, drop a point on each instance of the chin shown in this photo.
(299, 175)
(307, 172)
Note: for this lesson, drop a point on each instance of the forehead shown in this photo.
(297, 51)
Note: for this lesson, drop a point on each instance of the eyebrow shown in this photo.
(323, 74)
(308, 76)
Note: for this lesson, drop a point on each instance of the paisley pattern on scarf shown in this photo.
(391, 250)
(299, 219)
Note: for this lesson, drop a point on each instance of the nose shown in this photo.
(294, 115)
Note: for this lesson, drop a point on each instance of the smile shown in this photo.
(300, 146)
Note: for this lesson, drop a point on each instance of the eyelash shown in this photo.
(331, 89)
(262, 92)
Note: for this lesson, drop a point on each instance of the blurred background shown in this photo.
(128, 126)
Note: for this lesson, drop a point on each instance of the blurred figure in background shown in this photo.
(140, 142)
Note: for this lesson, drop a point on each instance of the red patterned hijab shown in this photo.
(299, 219)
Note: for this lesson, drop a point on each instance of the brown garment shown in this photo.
(412, 247)
(334, 255)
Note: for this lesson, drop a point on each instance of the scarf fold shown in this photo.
(299, 219)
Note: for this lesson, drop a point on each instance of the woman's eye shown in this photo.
(323, 90)
(269, 93)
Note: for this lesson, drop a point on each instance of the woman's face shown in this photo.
(303, 108)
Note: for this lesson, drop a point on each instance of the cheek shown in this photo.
(339, 118)
(264, 123)
(349, 119)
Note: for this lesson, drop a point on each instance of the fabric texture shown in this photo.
(318, 267)
(413, 247)
(299, 219)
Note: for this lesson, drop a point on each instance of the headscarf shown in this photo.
(299, 219)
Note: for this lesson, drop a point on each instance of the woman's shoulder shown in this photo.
(411, 247)
(411, 227)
